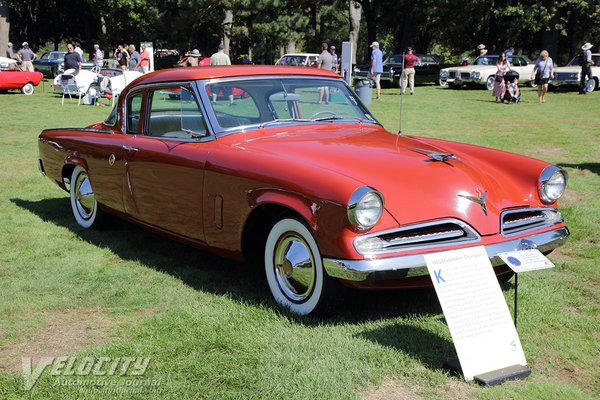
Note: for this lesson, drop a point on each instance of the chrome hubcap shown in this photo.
(294, 267)
(84, 196)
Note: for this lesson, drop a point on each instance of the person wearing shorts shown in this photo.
(376, 67)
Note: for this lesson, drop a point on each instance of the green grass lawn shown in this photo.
(209, 325)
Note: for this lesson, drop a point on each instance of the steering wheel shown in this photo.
(315, 115)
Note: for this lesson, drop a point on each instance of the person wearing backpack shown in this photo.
(585, 60)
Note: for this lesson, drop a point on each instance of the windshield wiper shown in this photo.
(282, 121)
(336, 117)
(192, 133)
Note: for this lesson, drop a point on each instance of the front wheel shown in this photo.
(83, 200)
(294, 270)
(489, 83)
(442, 83)
(28, 89)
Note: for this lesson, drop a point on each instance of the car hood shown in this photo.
(415, 186)
(469, 68)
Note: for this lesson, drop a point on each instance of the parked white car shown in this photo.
(93, 82)
(570, 74)
(483, 70)
(299, 60)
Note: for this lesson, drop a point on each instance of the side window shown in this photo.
(174, 113)
(134, 109)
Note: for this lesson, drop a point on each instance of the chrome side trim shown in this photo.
(369, 269)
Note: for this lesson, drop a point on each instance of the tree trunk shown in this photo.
(227, 23)
(355, 15)
(290, 47)
(4, 27)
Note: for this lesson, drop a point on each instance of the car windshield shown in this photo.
(486, 60)
(575, 61)
(292, 60)
(395, 59)
(264, 101)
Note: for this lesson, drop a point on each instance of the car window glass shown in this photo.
(45, 56)
(174, 113)
(232, 104)
(134, 109)
(262, 100)
(112, 117)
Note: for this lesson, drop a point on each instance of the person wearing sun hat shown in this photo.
(586, 66)
(192, 58)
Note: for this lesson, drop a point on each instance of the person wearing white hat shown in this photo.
(376, 67)
(27, 56)
(586, 66)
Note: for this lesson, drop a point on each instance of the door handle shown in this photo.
(129, 148)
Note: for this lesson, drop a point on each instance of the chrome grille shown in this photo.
(431, 234)
(523, 220)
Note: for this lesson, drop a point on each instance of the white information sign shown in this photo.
(480, 323)
(526, 260)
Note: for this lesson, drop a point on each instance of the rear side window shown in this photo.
(174, 112)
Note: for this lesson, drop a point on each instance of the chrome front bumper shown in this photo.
(397, 267)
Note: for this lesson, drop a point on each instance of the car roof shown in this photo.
(214, 72)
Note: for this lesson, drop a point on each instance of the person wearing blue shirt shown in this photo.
(376, 66)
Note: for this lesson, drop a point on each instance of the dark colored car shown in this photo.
(51, 63)
(426, 71)
(164, 59)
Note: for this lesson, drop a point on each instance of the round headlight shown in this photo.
(475, 75)
(552, 184)
(444, 73)
(365, 207)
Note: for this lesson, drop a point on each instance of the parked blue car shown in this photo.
(51, 63)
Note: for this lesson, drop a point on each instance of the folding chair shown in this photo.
(70, 88)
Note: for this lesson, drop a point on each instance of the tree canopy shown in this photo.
(265, 28)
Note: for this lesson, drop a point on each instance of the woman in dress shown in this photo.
(543, 71)
(503, 67)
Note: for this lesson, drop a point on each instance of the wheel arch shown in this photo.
(267, 210)
(67, 170)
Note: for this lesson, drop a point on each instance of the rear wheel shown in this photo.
(83, 200)
(294, 270)
(28, 89)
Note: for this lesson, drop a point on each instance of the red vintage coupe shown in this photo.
(13, 77)
(297, 174)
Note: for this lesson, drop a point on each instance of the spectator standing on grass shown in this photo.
(543, 71)
(325, 62)
(98, 56)
(122, 57)
(586, 63)
(220, 58)
(376, 67)
(134, 58)
(408, 72)
(73, 59)
(335, 61)
(10, 53)
(503, 66)
(144, 63)
(78, 50)
(26, 55)
(509, 51)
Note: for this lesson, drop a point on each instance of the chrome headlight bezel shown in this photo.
(444, 73)
(365, 208)
(552, 184)
(475, 74)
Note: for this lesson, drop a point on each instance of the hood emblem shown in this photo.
(436, 155)
(480, 199)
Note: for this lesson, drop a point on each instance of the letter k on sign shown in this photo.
(438, 276)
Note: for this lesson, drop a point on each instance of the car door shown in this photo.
(165, 159)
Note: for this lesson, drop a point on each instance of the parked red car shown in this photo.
(313, 188)
(13, 77)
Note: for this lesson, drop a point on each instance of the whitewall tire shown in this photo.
(294, 269)
(27, 89)
(83, 200)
